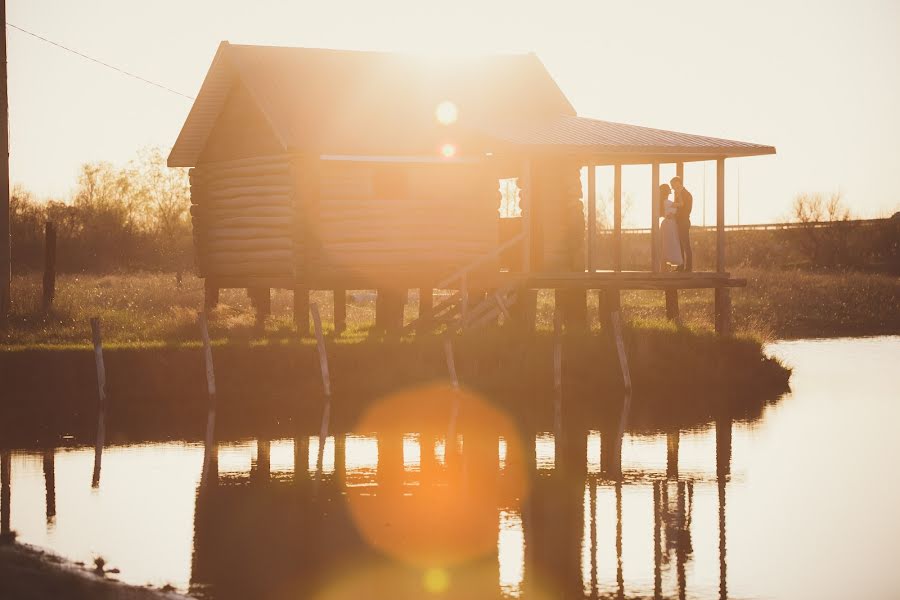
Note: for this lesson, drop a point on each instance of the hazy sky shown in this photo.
(818, 80)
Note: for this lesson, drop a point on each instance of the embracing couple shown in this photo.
(675, 231)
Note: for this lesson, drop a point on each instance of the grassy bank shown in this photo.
(30, 574)
(144, 309)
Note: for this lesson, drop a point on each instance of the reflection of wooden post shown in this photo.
(101, 390)
(263, 459)
(723, 447)
(390, 458)
(657, 539)
(672, 442)
(620, 578)
(301, 457)
(50, 483)
(723, 570)
(5, 493)
(723, 472)
(617, 218)
(681, 546)
(592, 499)
(326, 384)
(340, 455)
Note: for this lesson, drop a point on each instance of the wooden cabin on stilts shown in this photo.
(341, 170)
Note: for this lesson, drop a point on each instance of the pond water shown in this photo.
(799, 503)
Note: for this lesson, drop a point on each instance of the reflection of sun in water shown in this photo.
(446, 113)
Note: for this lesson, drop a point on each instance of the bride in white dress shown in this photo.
(668, 230)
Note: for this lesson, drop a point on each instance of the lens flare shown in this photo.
(436, 580)
(446, 513)
(446, 113)
(448, 150)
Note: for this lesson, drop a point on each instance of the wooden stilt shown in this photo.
(301, 310)
(617, 328)
(210, 294)
(389, 310)
(426, 309)
(49, 266)
(261, 299)
(617, 218)
(101, 390)
(608, 302)
(723, 311)
(672, 305)
(340, 311)
(654, 224)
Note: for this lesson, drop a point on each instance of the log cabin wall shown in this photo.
(243, 218)
(398, 224)
(559, 212)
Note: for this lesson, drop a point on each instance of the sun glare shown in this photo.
(446, 113)
(448, 150)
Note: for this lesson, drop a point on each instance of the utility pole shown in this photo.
(5, 240)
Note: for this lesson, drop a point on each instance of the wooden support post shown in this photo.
(591, 215)
(49, 463)
(49, 266)
(573, 307)
(720, 215)
(210, 294)
(261, 299)
(525, 308)
(6, 534)
(340, 311)
(723, 311)
(672, 304)
(608, 302)
(450, 446)
(654, 223)
(426, 309)
(209, 446)
(301, 310)
(326, 385)
(526, 202)
(679, 171)
(389, 310)
(617, 218)
(101, 394)
(673, 440)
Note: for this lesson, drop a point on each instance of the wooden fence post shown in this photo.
(101, 391)
(49, 266)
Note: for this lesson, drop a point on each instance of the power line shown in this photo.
(100, 62)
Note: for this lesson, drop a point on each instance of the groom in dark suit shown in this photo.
(684, 202)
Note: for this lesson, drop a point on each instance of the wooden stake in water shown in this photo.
(209, 447)
(450, 446)
(326, 384)
(557, 373)
(101, 390)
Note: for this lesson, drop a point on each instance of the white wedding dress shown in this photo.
(668, 233)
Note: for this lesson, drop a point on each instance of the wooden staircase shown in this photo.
(456, 312)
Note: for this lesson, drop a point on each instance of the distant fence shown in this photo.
(772, 226)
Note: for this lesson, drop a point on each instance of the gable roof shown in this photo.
(345, 102)
(341, 101)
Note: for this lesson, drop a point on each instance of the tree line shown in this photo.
(118, 218)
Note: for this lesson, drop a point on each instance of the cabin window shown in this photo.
(509, 199)
(391, 182)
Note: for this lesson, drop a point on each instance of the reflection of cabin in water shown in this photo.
(324, 169)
